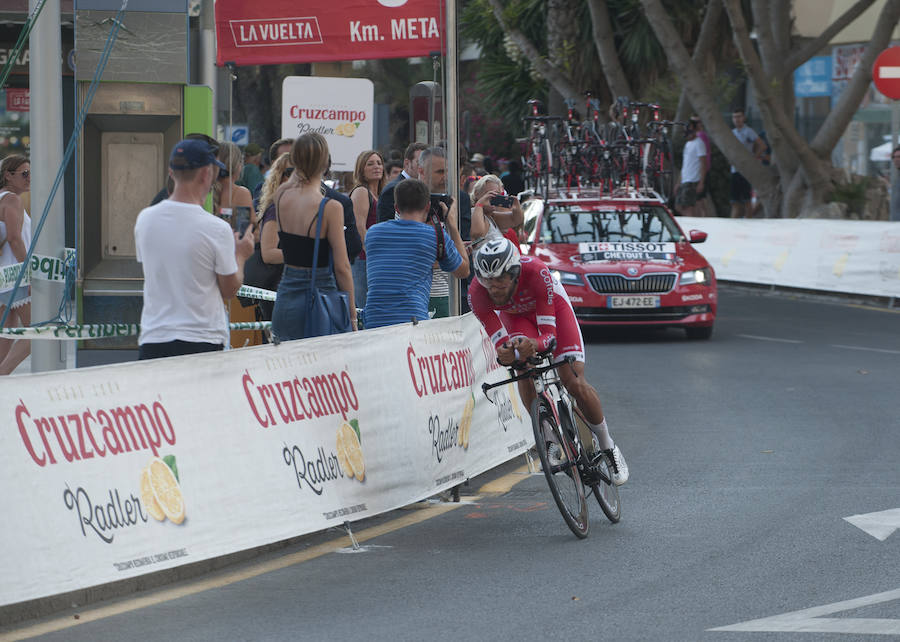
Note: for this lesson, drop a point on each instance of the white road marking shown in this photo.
(758, 338)
(879, 525)
(884, 350)
(811, 620)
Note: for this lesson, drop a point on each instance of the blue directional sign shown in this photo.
(813, 78)
(238, 134)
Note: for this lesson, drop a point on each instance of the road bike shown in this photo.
(537, 159)
(561, 434)
(661, 161)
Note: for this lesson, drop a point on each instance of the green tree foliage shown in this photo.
(507, 80)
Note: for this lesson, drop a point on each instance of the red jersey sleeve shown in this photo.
(483, 308)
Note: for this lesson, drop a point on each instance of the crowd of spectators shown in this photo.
(391, 241)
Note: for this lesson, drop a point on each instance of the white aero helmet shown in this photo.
(495, 258)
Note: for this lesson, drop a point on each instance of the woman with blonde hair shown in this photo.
(299, 203)
(490, 221)
(368, 181)
(15, 237)
(228, 196)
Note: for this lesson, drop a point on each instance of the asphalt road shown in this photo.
(746, 454)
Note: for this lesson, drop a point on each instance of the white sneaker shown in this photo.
(620, 468)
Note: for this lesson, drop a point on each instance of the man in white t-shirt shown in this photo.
(693, 173)
(192, 261)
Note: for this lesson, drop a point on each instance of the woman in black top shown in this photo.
(298, 203)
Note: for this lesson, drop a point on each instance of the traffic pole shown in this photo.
(45, 80)
(886, 76)
(895, 126)
(208, 72)
(452, 129)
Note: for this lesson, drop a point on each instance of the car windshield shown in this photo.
(572, 224)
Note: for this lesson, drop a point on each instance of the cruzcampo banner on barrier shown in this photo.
(115, 471)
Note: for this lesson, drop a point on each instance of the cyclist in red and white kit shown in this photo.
(523, 309)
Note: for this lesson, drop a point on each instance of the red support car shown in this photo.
(624, 260)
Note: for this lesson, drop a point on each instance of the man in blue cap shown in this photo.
(192, 260)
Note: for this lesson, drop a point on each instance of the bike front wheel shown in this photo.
(558, 460)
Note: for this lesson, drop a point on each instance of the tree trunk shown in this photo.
(704, 102)
(562, 42)
(812, 47)
(709, 33)
(605, 43)
(837, 121)
(781, 128)
(783, 136)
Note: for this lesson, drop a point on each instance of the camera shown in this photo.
(436, 210)
(502, 201)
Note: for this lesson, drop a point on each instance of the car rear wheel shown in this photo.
(703, 332)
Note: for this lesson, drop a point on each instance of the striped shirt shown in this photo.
(399, 256)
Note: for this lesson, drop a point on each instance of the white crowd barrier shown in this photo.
(858, 257)
(269, 442)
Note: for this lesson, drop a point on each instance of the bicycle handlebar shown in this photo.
(530, 373)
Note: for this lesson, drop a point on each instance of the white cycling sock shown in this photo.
(602, 432)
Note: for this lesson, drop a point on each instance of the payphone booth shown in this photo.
(426, 113)
(139, 111)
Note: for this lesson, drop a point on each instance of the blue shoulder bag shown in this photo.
(328, 312)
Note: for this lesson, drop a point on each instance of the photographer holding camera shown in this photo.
(494, 212)
(432, 170)
(400, 255)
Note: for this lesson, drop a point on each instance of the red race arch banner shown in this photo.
(287, 31)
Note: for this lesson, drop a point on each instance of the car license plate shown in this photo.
(632, 301)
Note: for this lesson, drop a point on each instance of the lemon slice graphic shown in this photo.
(148, 499)
(465, 423)
(352, 450)
(165, 489)
(342, 453)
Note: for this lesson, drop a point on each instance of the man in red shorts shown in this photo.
(523, 309)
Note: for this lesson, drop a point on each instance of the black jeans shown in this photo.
(175, 348)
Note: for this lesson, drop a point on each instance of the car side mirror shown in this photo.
(696, 236)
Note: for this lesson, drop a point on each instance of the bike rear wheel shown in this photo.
(562, 473)
(605, 491)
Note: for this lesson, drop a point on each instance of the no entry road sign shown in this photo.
(886, 72)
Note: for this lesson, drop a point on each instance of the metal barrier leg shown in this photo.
(350, 535)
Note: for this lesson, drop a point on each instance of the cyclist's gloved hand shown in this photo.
(506, 354)
(526, 346)
(516, 351)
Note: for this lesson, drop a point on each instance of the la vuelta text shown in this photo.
(94, 433)
(298, 399)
